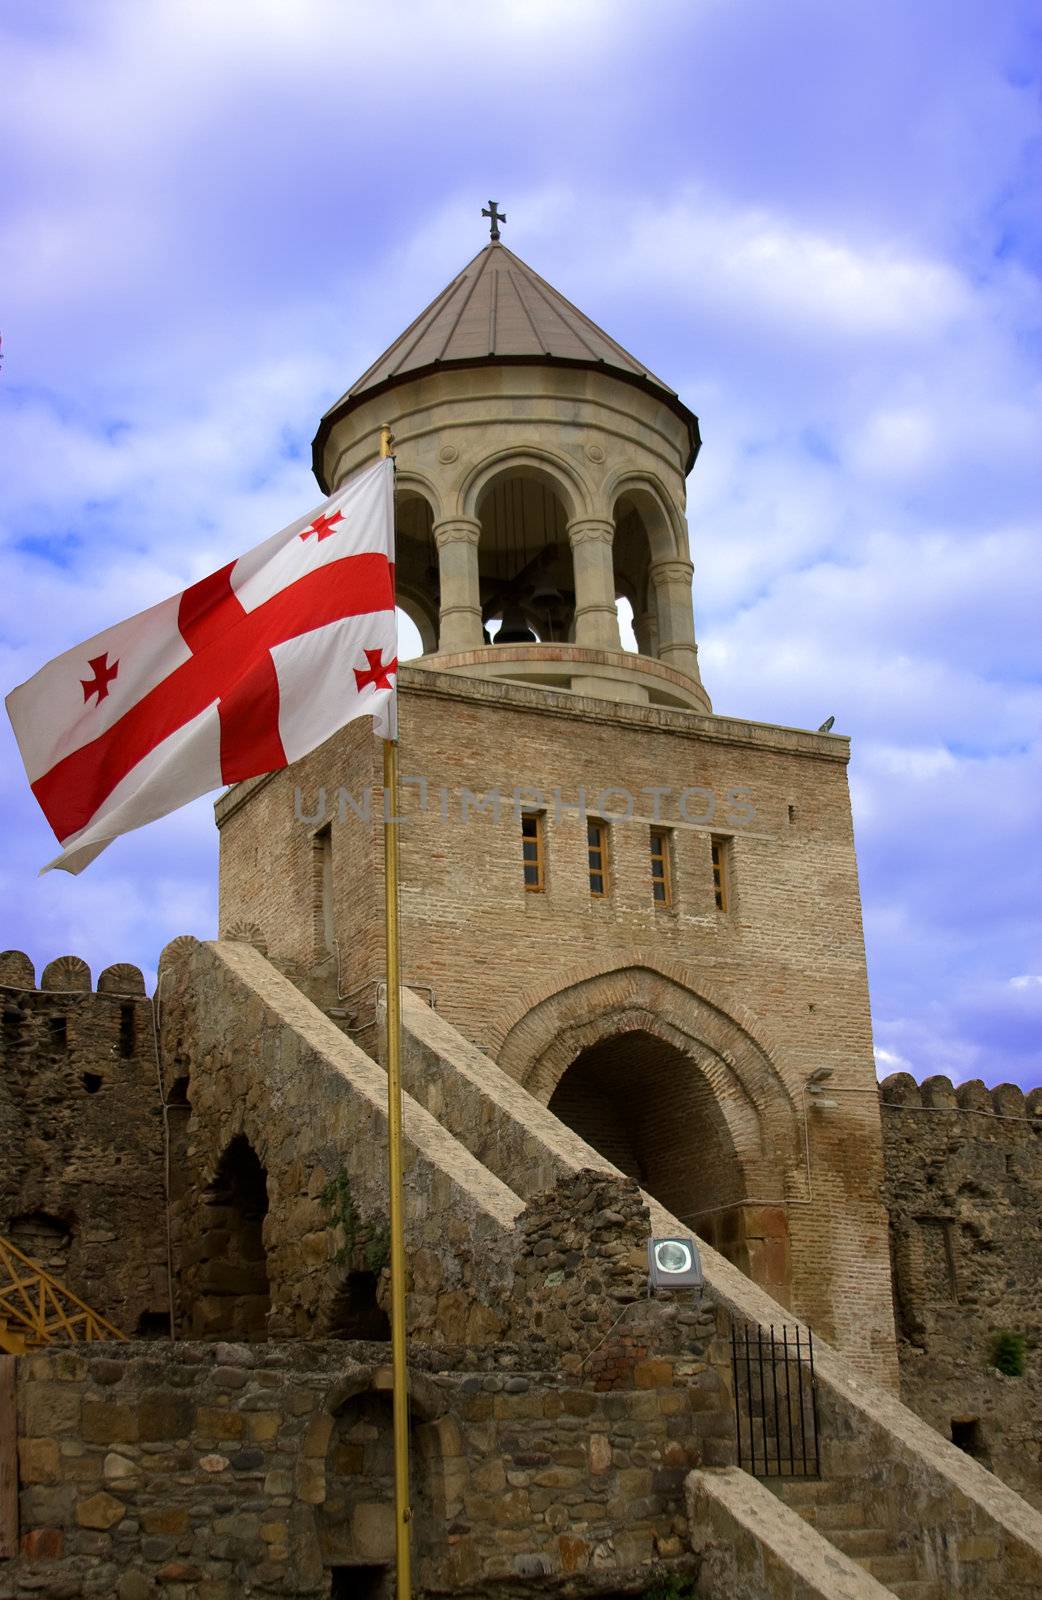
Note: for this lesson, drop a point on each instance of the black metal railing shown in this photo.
(776, 1409)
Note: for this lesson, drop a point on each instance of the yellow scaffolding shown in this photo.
(35, 1309)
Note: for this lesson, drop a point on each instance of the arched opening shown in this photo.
(234, 1298)
(416, 569)
(43, 1238)
(648, 1108)
(525, 573)
(642, 535)
(651, 1110)
(356, 1520)
(355, 1312)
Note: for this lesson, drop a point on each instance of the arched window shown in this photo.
(524, 560)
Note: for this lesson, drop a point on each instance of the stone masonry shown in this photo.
(963, 1181)
(81, 1135)
(746, 1002)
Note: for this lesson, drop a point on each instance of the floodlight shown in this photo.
(674, 1264)
(819, 1075)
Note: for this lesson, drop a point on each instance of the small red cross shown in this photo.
(323, 526)
(103, 676)
(378, 673)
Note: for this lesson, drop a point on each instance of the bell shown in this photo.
(514, 629)
(545, 597)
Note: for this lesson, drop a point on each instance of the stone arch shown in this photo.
(553, 469)
(232, 1294)
(662, 521)
(355, 1522)
(720, 1072)
(417, 509)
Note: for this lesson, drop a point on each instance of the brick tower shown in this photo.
(646, 913)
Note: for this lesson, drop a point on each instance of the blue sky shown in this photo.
(819, 222)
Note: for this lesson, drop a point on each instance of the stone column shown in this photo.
(460, 614)
(676, 618)
(596, 620)
(645, 630)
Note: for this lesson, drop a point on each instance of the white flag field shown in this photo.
(239, 675)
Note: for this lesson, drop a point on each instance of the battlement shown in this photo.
(82, 1130)
(70, 975)
(1006, 1101)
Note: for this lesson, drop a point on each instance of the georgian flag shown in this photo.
(242, 673)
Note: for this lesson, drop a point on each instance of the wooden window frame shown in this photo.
(600, 848)
(720, 857)
(663, 857)
(538, 861)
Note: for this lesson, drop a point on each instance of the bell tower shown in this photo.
(541, 479)
(644, 912)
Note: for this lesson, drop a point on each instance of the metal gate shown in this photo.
(776, 1409)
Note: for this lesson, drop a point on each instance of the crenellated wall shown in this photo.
(81, 1135)
(964, 1193)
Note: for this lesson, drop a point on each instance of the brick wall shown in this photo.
(787, 958)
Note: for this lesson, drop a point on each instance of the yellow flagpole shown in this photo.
(399, 1364)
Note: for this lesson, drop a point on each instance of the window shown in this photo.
(126, 1031)
(322, 889)
(661, 873)
(597, 842)
(533, 852)
(721, 851)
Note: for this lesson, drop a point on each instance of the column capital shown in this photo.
(457, 530)
(673, 568)
(590, 530)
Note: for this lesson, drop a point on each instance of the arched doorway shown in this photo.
(234, 1297)
(646, 1107)
(676, 1090)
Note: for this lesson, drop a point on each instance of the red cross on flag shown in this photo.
(242, 673)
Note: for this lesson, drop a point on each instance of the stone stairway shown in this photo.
(898, 1509)
(835, 1510)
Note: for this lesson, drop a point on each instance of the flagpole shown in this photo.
(399, 1364)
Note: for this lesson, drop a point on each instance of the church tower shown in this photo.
(645, 913)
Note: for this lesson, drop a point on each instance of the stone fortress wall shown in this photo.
(82, 1135)
(131, 1460)
(963, 1188)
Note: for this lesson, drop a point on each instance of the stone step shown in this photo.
(831, 1514)
(918, 1589)
(795, 1491)
(890, 1569)
(857, 1542)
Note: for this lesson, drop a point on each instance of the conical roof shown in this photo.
(498, 311)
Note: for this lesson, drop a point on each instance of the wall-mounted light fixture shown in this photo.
(674, 1264)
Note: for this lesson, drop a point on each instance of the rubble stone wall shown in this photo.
(82, 1136)
(225, 1469)
(963, 1186)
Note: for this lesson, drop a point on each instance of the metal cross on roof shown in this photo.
(495, 217)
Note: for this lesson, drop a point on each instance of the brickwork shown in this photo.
(81, 1135)
(963, 1181)
(783, 968)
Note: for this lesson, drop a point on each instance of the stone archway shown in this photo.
(637, 1099)
(678, 1093)
(232, 1297)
